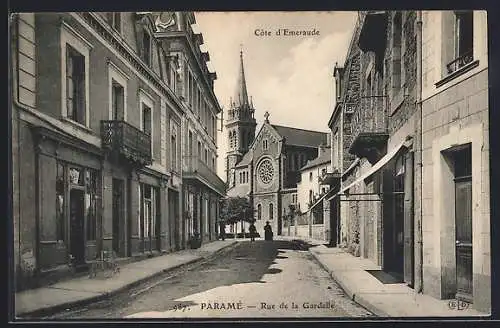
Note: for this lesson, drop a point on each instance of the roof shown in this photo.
(324, 158)
(247, 158)
(301, 137)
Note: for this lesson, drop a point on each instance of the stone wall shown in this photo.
(456, 116)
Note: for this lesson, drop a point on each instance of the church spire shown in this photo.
(241, 95)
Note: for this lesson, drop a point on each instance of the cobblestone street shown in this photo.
(260, 279)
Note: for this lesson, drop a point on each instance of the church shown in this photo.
(264, 166)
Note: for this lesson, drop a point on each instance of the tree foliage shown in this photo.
(290, 214)
(236, 209)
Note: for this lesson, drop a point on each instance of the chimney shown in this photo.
(328, 139)
(321, 149)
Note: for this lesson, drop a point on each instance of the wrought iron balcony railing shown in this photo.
(369, 116)
(125, 139)
(459, 62)
(369, 127)
(195, 168)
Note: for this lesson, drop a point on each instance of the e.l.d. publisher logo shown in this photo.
(458, 305)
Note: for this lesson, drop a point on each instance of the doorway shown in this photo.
(463, 223)
(393, 219)
(117, 215)
(77, 226)
(334, 222)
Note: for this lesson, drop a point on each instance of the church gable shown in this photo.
(267, 141)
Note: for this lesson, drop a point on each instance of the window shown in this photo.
(75, 85)
(75, 54)
(310, 176)
(91, 203)
(146, 119)
(463, 40)
(264, 144)
(117, 101)
(397, 30)
(115, 21)
(271, 211)
(60, 202)
(146, 47)
(206, 156)
(213, 163)
(294, 198)
(259, 212)
(310, 196)
(190, 143)
(173, 149)
(117, 80)
(241, 177)
(199, 150)
(147, 221)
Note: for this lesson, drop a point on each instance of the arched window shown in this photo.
(271, 211)
(259, 212)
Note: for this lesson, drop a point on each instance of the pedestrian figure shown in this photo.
(268, 231)
(222, 227)
(253, 231)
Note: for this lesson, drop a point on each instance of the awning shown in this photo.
(320, 200)
(383, 161)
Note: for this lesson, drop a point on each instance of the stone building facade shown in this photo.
(202, 187)
(97, 115)
(416, 198)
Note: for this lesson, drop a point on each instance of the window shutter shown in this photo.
(396, 73)
(79, 84)
(69, 83)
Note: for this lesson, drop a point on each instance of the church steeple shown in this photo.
(241, 95)
(240, 124)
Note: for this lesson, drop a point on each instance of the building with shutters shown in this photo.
(101, 104)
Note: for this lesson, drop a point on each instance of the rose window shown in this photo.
(266, 171)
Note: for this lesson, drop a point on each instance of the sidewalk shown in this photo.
(83, 290)
(385, 300)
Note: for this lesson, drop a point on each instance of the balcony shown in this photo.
(460, 62)
(369, 129)
(195, 169)
(373, 35)
(121, 138)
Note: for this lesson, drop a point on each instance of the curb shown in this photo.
(352, 294)
(43, 312)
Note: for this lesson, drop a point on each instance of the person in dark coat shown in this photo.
(253, 231)
(268, 231)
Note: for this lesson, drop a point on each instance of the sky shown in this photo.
(291, 77)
